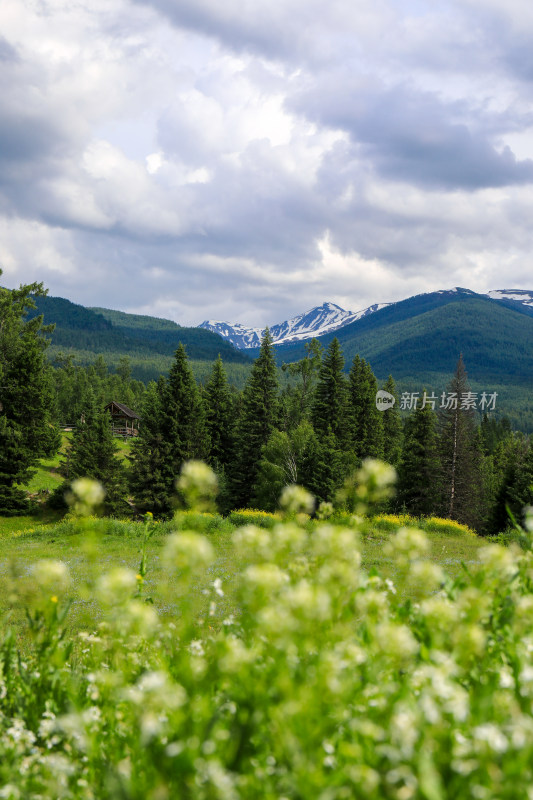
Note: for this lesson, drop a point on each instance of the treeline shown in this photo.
(314, 432)
(76, 387)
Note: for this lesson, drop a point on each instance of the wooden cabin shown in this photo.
(124, 421)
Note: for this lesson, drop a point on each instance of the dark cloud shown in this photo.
(413, 136)
(271, 29)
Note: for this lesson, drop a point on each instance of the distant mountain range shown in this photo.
(330, 317)
(316, 322)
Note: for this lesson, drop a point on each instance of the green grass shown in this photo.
(113, 543)
(26, 524)
(47, 477)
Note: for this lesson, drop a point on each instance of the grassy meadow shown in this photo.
(264, 655)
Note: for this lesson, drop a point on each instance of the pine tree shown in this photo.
(367, 420)
(392, 427)
(460, 454)
(93, 454)
(27, 431)
(258, 417)
(330, 408)
(219, 417)
(182, 417)
(149, 474)
(419, 466)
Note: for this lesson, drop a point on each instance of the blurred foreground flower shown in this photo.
(199, 486)
(297, 500)
(368, 487)
(51, 576)
(85, 496)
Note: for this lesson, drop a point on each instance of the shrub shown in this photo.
(252, 516)
(203, 522)
(439, 525)
(391, 522)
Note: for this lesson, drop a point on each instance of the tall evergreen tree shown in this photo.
(93, 454)
(331, 466)
(419, 466)
(183, 416)
(523, 493)
(27, 431)
(460, 454)
(220, 417)
(150, 474)
(392, 427)
(516, 487)
(330, 408)
(257, 420)
(366, 419)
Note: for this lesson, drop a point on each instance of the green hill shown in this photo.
(425, 335)
(115, 333)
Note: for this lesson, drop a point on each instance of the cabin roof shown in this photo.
(121, 409)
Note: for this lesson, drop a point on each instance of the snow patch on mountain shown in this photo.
(317, 321)
(524, 296)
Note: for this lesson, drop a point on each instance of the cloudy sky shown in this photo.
(245, 160)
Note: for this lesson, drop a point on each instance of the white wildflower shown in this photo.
(187, 551)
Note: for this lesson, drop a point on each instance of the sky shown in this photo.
(246, 160)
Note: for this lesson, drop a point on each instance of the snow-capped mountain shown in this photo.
(330, 317)
(319, 320)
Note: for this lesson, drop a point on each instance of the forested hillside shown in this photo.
(79, 329)
(424, 335)
(420, 339)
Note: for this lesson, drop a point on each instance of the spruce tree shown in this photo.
(460, 454)
(331, 466)
(330, 408)
(392, 427)
(366, 419)
(419, 466)
(183, 420)
(149, 473)
(257, 420)
(93, 454)
(219, 417)
(27, 431)
(516, 487)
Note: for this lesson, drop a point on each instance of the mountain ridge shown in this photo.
(328, 317)
(315, 322)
